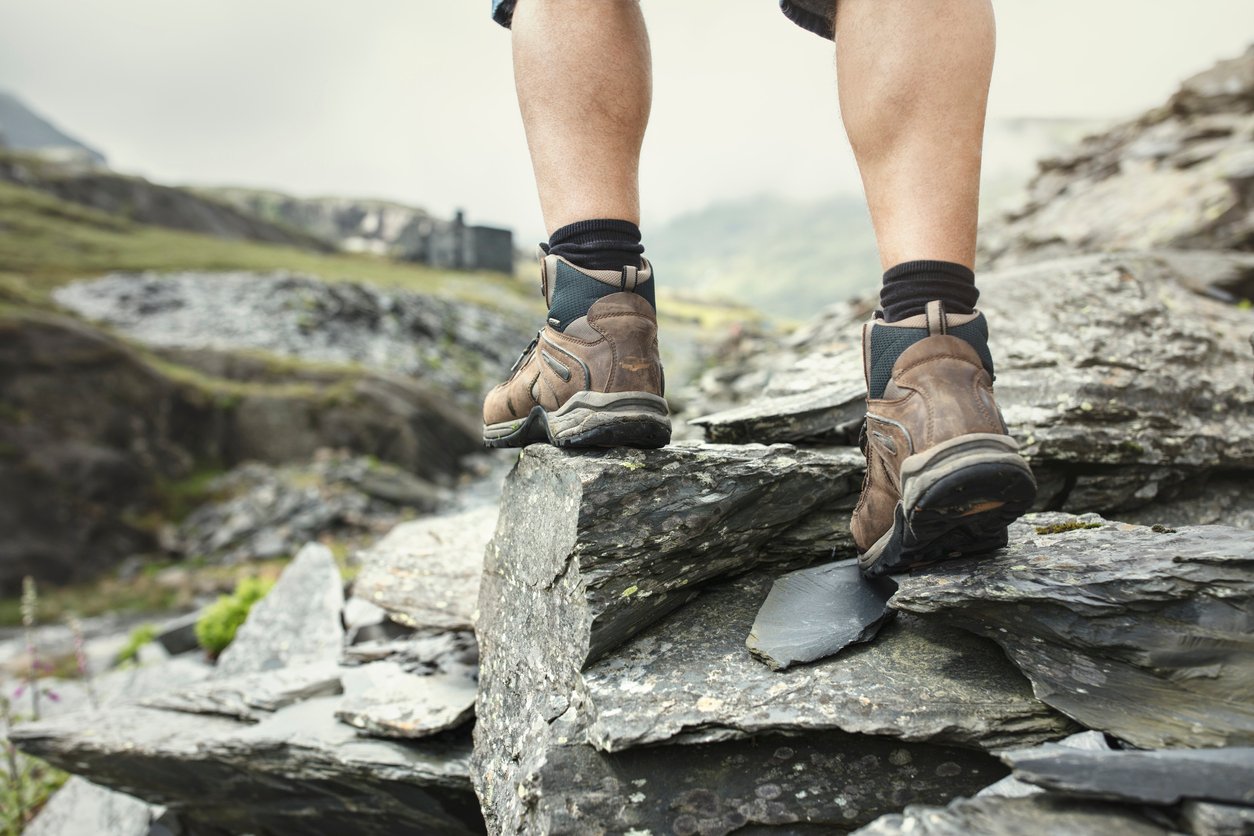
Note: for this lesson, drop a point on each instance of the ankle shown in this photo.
(909, 286)
(600, 244)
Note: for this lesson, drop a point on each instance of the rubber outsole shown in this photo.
(590, 420)
(963, 509)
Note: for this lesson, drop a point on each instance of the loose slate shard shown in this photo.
(384, 700)
(1035, 814)
(1012, 787)
(817, 612)
(297, 622)
(1160, 777)
(1147, 635)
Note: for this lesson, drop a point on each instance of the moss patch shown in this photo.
(1070, 525)
(216, 627)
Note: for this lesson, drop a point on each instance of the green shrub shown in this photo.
(139, 637)
(215, 629)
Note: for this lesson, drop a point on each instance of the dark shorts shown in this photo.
(814, 15)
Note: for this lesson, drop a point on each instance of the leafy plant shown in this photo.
(215, 629)
(139, 637)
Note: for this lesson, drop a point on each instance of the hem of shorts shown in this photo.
(808, 20)
(504, 13)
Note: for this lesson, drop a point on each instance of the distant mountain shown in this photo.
(21, 129)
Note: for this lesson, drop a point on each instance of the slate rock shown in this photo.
(251, 696)
(699, 737)
(299, 771)
(826, 781)
(1159, 777)
(297, 622)
(445, 341)
(691, 675)
(425, 573)
(1012, 787)
(81, 807)
(1206, 818)
(1176, 176)
(817, 612)
(1028, 816)
(384, 700)
(424, 652)
(1146, 634)
(1123, 385)
(178, 635)
(614, 540)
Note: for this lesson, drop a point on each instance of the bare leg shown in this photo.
(585, 84)
(913, 79)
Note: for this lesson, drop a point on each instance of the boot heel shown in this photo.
(611, 419)
(958, 498)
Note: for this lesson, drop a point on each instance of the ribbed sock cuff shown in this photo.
(909, 286)
(601, 244)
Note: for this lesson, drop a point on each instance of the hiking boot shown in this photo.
(943, 477)
(589, 379)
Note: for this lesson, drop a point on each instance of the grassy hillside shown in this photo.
(45, 242)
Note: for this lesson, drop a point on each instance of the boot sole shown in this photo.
(958, 499)
(590, 419)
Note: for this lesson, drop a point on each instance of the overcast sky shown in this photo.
(413, 99)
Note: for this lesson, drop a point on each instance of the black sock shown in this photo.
(601, 244)
(909, 286)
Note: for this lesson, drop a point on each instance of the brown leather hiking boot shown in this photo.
(943, 477)
(586, 380)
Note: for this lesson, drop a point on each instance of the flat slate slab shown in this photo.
(1165, 776)
(252, 696)
(1146, 634)
(691, 676)
(385, 700)
(297, 622)
(81, 807)
(425, 573)
(1034, 814)
(298, 771)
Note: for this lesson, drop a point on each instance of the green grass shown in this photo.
(45, 242)
(216, 627)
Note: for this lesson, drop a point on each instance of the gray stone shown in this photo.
(1124, 386)
(681, 730)
(299, 771)
(614, 540)
(251, 696)
(425, 573)
(385, 700)
(1175, 176)
(178, 635)
(817, 612)
(691, 677)
(1030, 816)
(1144, 633)
(425, 652)
(297, 622)
(81, 807)
(449, 342)
(1160, 777)
(1206, 818)
(1012, 787)
(825, 781)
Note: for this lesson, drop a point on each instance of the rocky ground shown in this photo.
(672, 641)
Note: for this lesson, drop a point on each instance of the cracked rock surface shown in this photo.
(1124, 386)
(584, 702)
(1146, 634)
